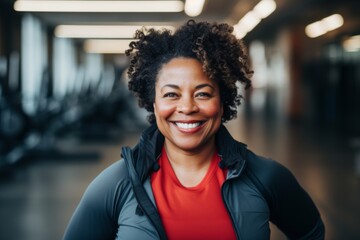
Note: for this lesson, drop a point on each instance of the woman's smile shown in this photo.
(189, 127)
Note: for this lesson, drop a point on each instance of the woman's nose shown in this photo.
(187, 105)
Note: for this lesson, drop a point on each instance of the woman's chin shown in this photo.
(189, 146)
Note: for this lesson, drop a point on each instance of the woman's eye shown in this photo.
(170, 95)
(203, 95)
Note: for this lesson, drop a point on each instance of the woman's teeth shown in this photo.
(188, 125)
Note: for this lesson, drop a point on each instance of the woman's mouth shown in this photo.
(188, 126)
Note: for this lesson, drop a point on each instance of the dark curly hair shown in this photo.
(222, 55)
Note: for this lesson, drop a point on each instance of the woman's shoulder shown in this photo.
(291, 208)
(270, 172)
(109, 180)
(112, 175)
(262, 163)
(98, 210)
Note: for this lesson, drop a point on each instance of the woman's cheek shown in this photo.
(164, 109)
(212, 109)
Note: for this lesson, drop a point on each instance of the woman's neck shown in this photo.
(190, 166)
(190, 159)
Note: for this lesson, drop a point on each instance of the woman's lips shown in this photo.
(189, 127)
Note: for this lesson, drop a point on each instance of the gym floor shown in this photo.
(38, 197)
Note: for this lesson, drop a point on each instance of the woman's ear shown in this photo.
(154, 106)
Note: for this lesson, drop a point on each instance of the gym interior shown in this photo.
(65, 110)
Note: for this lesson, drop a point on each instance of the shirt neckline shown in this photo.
(202, 184)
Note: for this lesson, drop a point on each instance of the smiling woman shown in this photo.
(187, 106)
(222, 56)
(187, 178)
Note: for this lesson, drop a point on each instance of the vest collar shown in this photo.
(148, 150)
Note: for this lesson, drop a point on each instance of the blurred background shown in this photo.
(65, 110)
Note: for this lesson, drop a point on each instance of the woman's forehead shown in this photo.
(179, 71)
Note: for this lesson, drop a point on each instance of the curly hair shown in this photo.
(222, 55)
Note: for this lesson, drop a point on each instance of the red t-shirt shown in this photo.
(192, 212)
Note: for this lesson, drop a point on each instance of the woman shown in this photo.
(188, 178)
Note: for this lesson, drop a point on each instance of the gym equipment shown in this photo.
(30, 137)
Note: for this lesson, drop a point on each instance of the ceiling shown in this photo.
(288, 13)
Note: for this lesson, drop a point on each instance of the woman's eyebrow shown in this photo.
(170, 86)
(204, 85)
(197, 87)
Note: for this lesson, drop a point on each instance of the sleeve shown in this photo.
(95, 216)
(291, 208)
(293, 211)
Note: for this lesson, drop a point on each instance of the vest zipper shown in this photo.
(236, 228)
(154, 220)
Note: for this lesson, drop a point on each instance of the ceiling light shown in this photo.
(315, 29)
(247, 23)
(323, 26)
(239, 31)
(98, 6)
(333, 22)
(106, 46)
(101, 31)
(193, 8)
(352, 44)
(264, 8)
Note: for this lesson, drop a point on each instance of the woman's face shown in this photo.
(187, 105)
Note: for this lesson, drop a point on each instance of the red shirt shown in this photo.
(192, 212)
